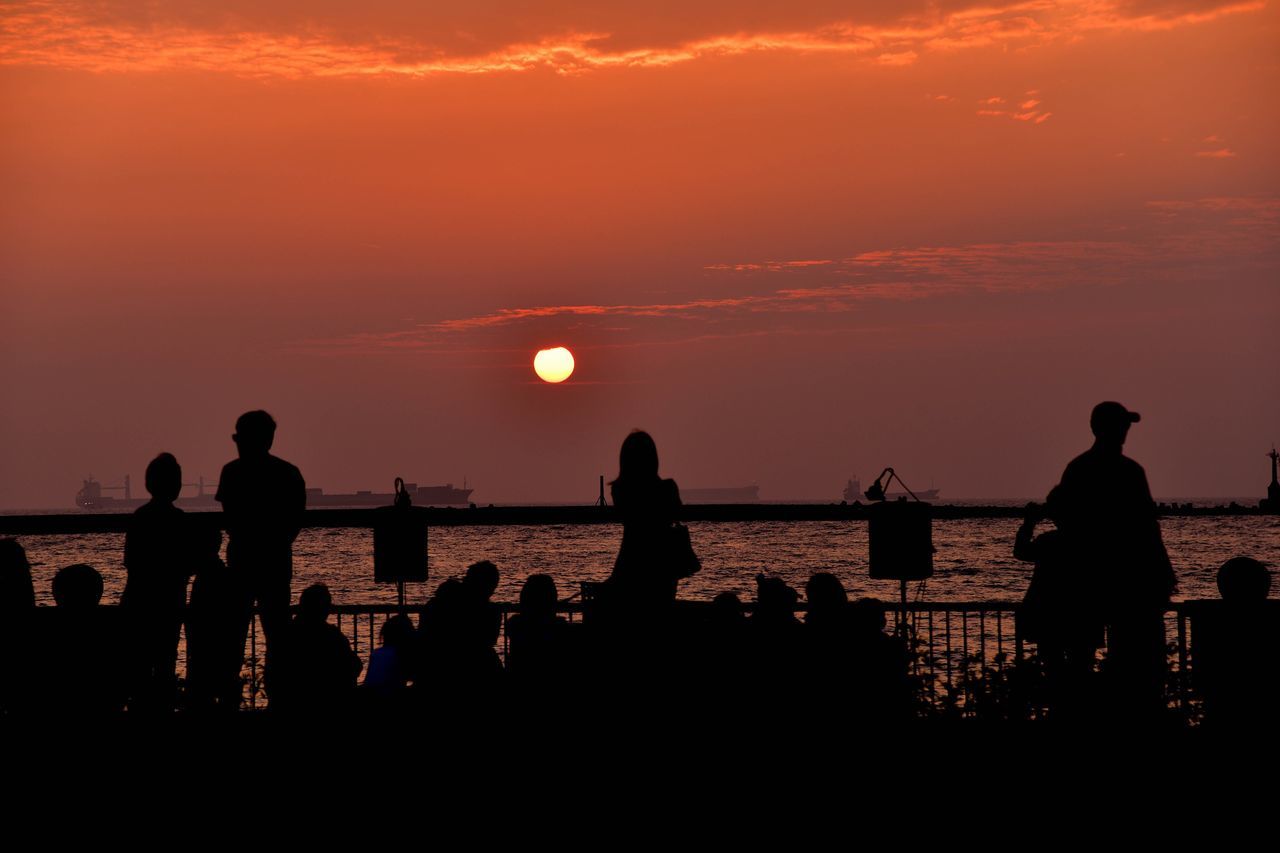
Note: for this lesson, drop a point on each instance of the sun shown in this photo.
(553, 365)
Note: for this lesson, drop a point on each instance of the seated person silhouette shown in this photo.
(158, 557)
(480, 619)
(391, 664)
(538, 649)
(319, 668)
(775, 640)
(1234, 644)
(438, 662)
(1059, 612)
(828, 639)
(17, 609)
(724, 658)
(17, 592)
(880, 684)
(217, 622)
(81, 669)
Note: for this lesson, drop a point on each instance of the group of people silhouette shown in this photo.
(1101, 577)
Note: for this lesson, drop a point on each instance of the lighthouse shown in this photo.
(1272, 501)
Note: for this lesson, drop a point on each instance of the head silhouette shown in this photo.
(774, 597)
(539, 596)
(824, 592)
(398, 631)
(481, 579)
(1110, 423)
(77, 587)
(164, 478)
(255, 433)
(1243, 579)
(867, 615)
(726, 609)
(638, 459)
(315, 603)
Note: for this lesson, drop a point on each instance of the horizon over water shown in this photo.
(973, 560)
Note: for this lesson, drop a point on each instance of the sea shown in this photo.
(973, 560)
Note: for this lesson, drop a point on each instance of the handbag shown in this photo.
(680, 555)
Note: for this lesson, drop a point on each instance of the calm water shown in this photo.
(973, 562)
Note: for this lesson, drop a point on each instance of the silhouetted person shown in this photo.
(534, 633)
(646, 572)
(81, 660)
(828, 639)
(263, 498)
(158, 557)
(391, 664)
(776, 641)
(881, 686)
(538, 653)
(1059, 612)
(726, 656)
(217, 624)
(17, 592)
(440, 660)
(1234, 646)
(1108, 510)
(481, 619)
(17, 610)
(318, 669)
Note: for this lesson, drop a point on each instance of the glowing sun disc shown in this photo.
(553, 365)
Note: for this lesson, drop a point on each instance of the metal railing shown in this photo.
(965, 659)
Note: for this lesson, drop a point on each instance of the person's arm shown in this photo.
(297, 504)
(1023, 541)
(1162, 565)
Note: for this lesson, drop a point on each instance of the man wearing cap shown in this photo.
(1110, 516)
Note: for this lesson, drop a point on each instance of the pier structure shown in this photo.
(1271, 503)
(965, 656)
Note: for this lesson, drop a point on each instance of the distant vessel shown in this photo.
(91, 496)
(445, 495)
(853, 492)
(730, 495)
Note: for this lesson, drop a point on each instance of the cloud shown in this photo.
(1178, 238)
(1217, 154)
(396, 39)
(1028, 110)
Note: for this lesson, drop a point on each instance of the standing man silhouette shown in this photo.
(1111, 517)
(263, 498)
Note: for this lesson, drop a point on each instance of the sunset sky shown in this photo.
(794, 241)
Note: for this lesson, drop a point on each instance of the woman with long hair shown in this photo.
(647, 569)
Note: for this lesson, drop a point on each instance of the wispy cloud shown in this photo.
(1028, 109)
(1217, 154)
(783, 296)
(79, 35)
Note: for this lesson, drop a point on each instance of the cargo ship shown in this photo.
(446, 495)
(853, 492)
(91, 496)
(729, 495)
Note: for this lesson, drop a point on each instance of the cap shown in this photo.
(1111, 412)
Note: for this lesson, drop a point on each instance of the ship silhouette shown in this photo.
(446, 495)
(91, 496)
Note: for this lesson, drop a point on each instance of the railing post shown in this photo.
(253, 661)
(1184, 684)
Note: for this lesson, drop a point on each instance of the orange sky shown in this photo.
(794, 243)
